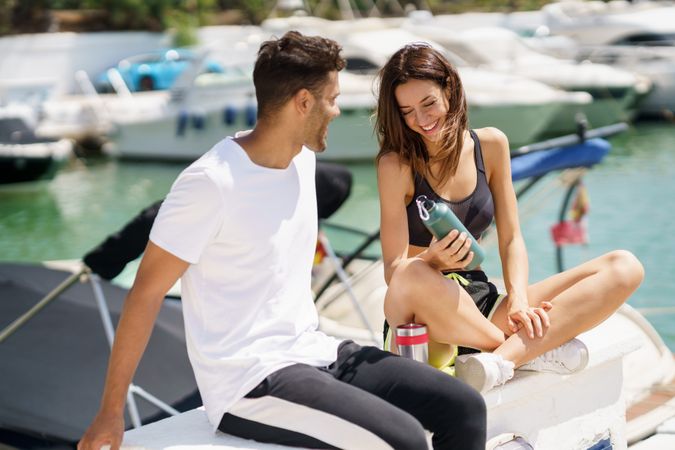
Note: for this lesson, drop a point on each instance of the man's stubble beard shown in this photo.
(319, 140)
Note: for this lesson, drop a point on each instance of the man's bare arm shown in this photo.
(159, 270)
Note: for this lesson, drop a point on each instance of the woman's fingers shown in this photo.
(465, 249)
(536, 323)
(454, 246)
(467, 260)
(459, 248)
(545, 320)
(526, 320)
(449, 238)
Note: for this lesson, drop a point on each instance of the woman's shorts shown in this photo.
(484, 295)
(476, 284)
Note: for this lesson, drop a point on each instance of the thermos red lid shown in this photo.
(411, 334)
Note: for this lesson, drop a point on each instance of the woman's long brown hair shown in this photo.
(420, 61)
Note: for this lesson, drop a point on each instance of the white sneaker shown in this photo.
(483, 371)
(570, 357)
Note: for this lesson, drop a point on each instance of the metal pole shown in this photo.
(348, 258)
(109, 329)
(571, 139)
(561, 218)
(102, 308)
(342, 275)
(18, 323)
(135, 389)
(104, 311)
(133, 409)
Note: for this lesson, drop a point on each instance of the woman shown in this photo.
(426, 148)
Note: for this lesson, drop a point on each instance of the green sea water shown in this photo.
(632, 207)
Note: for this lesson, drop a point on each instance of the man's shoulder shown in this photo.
(214, 168)
(219, 158)
(224, 152)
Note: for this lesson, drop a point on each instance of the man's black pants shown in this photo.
(366, 399)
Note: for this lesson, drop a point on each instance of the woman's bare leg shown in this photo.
(418, 293)
(582, 297)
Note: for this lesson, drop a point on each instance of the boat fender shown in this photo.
(251, 115)
(198, 121)
(181, 123)
(229, 115)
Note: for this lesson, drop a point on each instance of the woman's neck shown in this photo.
(433, 148)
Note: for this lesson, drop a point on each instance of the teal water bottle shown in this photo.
(440, 220)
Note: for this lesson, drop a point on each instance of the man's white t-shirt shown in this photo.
(249, 234)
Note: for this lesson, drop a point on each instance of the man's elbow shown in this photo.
(147, 296)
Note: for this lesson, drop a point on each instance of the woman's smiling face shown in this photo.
(423, 107)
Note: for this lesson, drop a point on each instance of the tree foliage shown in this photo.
(151, 15)
(183, 16)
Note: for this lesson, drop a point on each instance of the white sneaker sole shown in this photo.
(472, 372)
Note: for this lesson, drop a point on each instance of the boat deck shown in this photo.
(551, 411)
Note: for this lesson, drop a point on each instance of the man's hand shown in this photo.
(106, 429)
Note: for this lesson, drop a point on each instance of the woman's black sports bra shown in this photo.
(476, 211)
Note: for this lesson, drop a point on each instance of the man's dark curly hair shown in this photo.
(290, 63)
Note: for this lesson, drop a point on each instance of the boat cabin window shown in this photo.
(647, 39)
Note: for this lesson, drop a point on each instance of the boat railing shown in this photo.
(97, 106)
(117, 82)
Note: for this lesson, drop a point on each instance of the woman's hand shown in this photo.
(534, 319)
(453, 252)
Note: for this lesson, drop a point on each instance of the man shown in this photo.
(239, 226)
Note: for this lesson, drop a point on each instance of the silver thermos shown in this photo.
(412, 341)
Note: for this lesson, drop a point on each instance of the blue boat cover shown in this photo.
(542, 162)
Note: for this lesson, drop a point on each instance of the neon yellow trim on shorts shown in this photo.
(387, 340)
(458, 278)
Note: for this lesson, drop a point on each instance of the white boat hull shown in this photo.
(522, 124)
(160, 139)
(661, 101)
(599, 113)
(350, 136)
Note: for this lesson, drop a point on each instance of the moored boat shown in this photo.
(25, 157)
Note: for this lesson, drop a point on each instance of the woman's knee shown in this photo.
(411, 280)
(626, 270)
